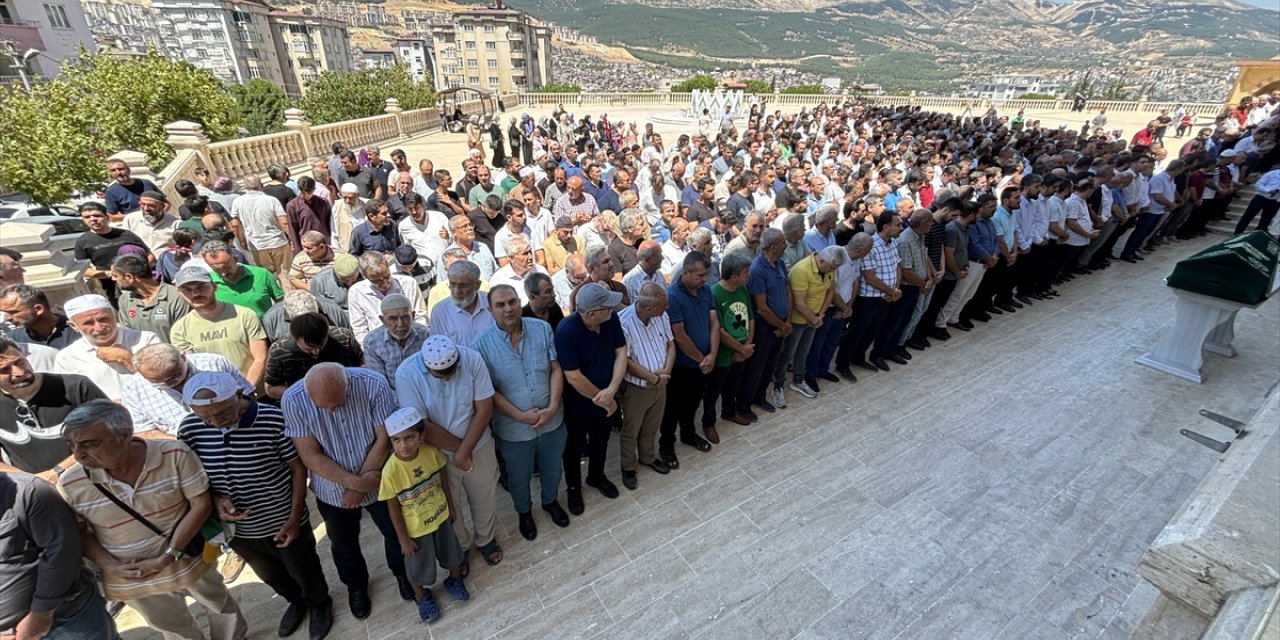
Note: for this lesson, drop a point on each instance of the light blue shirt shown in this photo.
(1006, 226)
(448, 403)
(817, 242)
(523, 377)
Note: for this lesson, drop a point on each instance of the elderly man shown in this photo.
(296, 303)
(567, 280)
(793, 230)
(541, 293)
(245, 285)
(647, 269)
(593, 354)
(559, 245)
(152, 221)
(771, 298)
(811, 292)
(213, 326)
(733, 308)
(150, 562)
(651, 356)
(696, 330)
(364, 300)
(378, 233)
(348, 211)
(465, 313)
(334, 282)
(104, 353)
(528, 416)
(449, 386)
(32, 408)
(748, 241)
(29, 310)
(426, 230)
(48, 592)
(397, 339)
(315, 255)
(154, 396)
(260, 223)
(576, 205)
(440, 290)
(336, 418)
(600, 271)
(464, 237)
(145, 304)
(878, 290)
(519, 266)
(624, 247)
(839, 313)
(260, 485)
(311, 340)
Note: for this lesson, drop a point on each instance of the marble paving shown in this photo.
(1002, 486)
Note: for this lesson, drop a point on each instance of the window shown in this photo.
(471, 44)
(468, 27)
(473, 79)
(489, 28)
(472, 64)
(57, 15)
(493, 64)
(490, 46)
(255, 72)
(493, 81)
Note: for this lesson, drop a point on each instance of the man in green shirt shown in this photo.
(733, 306)
(251, 287)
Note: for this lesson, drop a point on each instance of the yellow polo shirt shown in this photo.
(809, 284)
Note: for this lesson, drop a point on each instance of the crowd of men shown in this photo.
(406, 343)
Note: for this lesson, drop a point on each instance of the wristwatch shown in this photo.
(176, 554)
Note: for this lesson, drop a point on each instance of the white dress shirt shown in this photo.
(81, 357)
(157, 407)
(461, 325)
(364, 303)
(425, 238)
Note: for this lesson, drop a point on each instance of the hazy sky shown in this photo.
(1265, 4)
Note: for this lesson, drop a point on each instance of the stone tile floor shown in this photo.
(1004, 485)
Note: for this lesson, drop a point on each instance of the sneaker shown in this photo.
(457, 588)
(778, 398)
(813, 384)
(829, 377)
(803, 389)
(428, 610)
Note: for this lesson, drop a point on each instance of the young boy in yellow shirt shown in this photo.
(415, 486)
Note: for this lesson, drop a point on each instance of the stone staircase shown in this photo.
(1227, 227)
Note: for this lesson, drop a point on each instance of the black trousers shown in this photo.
(895, 321)
(992, 279)
(1258, 205)
(868, 316)
(684, 393)
(758, 372)
(293, 572)
(343, 527)
(722, 383)
(1033, 266)
(589, 430)
(1108, 248)
(930, 318)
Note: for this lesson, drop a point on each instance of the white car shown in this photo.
(66, 229)
(14, 210)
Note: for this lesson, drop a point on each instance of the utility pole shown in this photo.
(10, 49)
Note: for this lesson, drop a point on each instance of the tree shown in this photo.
(559, 87)
(804, 89)
(1036, 96)
(337, 96)
(1115, 90)
(701, 81)
(53, 139)
(757, 86)
(1084, 87)
(261, 106)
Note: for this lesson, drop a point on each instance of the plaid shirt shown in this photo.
(884, 259)
(383, 354)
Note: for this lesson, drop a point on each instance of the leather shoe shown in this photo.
(697, 442)
(713, 436)
(865, 365)
(669, 458)
(766, 405)
(829, 377)
(1008, 307)
(813, 384)
(659, 466)
(321, 620)
(736, 418)
(558, 516)
(903, 353)
(1011, 303)
(919, 344)
(880, 364)
(991, 310)
(528, 528)
(965, 325)
(893, 357)
(574, 497)
(941, 335)
(606, 488)
(358, 601)
(629, 480)
(406, 588)
(980, 317)
(292, 619)
(846, 374)
(1026, 300)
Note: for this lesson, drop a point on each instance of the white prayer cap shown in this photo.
(82, 304)
(402, 420)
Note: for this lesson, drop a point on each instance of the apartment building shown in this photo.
(35, 35)
(307, 46)
(416, 56)
(492, 48)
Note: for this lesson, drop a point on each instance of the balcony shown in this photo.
(25, 35)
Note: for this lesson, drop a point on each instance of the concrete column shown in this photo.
(393, 108)
(189, 135)
(296, 120)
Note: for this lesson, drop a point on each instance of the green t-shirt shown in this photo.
(734, 312)
(257, 289)
(228, 334)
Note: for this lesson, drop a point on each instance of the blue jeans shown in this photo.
(544, 451)
(84, 618)
(825, 341)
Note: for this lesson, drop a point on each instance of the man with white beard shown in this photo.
(398, 338)
(465, 313)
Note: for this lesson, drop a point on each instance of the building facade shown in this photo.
(52, 29)
(307, 46)
(417, 58)
(496, 48)
(1011, 85)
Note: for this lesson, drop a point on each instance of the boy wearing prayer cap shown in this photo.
(415, 486)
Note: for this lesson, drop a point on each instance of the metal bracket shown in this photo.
(1230, 423)
(1220, 447)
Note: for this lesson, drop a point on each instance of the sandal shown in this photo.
(491, 552)
(464, 569)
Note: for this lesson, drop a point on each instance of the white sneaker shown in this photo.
(803, 389)
(779, 399)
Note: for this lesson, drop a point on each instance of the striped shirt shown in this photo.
(248, 464)
(346, 433)
(157, 407)
(171, 476)
(646, 343)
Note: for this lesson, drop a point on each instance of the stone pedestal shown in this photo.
(44, 266)
(1202, 323)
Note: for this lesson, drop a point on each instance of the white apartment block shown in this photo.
(496, 48)
(1011, 85)
(416, 56)
(308, 46)
(39, 34)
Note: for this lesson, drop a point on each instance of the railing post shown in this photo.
(183, 134)
(137, 162)
(393, 108)
(295, 120)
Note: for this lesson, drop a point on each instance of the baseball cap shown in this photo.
(406, 254)
(594, 296)
(439, 352)
(402, 420)
(223, 386)
(191, 274)
(345, 265)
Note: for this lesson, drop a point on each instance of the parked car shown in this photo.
(66, 230)
(11, 210)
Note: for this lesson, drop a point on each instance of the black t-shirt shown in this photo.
(699, 212)
(589, 352)
(554, 315)
(624, 255)
(100, 250)
(39, 449)
(486, 227)
(280, 192)
(184, 212)
(844, 234)
(363, 179)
